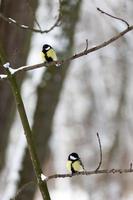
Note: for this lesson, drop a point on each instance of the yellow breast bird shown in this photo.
(74, 163)
(48, 53)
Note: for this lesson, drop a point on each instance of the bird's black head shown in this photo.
(46, 48)
(73, 157)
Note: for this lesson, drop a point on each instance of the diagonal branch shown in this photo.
(28, 133)
(78, 55)
(100, 46)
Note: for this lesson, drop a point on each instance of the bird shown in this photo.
(48, 53)
(74, 163)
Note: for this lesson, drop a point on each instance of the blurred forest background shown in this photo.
(67, 106)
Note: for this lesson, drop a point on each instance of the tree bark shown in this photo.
(48, 97)
(14, 47)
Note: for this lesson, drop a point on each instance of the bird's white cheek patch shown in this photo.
(73, 158)
(47, 48)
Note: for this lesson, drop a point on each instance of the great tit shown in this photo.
(48, 53)
(74, 163)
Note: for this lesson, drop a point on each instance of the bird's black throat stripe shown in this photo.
(48, 59)
(72, 169)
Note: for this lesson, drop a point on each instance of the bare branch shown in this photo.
(100, 46)
(87, 173)
(25, 68)
(118, 18)
(23, 188)
(100, 151)
(82, 53)
(93, 172)
(26, 27)
(33, 14)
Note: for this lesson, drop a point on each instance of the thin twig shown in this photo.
(118, 18)
(27, 27)
(33, 14)
(23, 188)
(86, 48)
(100, 151)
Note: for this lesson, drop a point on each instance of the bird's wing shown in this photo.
(42, 57)
(69, 166)
(77, 166)
(81, 164)
(51, 53)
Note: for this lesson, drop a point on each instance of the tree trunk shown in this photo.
(14, 47)
(48, 97)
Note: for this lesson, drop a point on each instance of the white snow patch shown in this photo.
(24, 26)
(3, 76)
(6, 65)
(14, 21)
(43, 177)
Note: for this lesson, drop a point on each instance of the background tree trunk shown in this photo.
(14, 47)
(48, 98)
